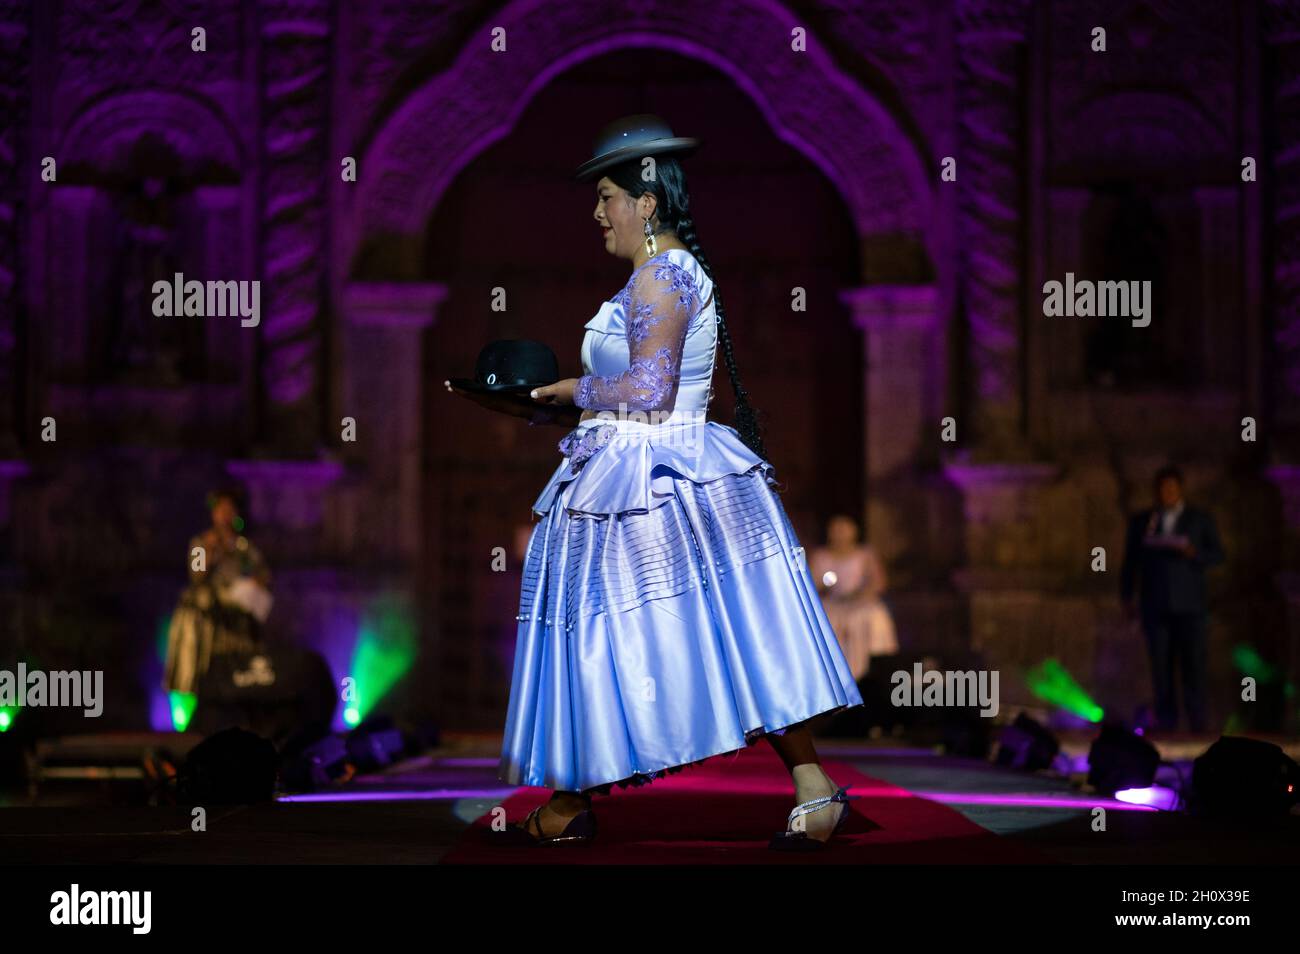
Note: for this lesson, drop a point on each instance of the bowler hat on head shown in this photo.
(511, 366)
(633, 137)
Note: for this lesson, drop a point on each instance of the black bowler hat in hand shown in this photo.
(633, 137)
(511, 367)
(505, 374)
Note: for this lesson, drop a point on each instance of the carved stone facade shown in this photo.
(15, 94)
(226, 164)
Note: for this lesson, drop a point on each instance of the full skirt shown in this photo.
(666, 615)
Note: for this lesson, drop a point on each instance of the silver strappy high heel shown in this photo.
(580, 829)
(789, 840)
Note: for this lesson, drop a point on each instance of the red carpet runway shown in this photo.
(725, 811)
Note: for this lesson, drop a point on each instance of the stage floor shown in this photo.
(913, 807)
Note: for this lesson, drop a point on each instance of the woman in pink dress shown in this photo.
(850, 579)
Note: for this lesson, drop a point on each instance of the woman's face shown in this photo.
(621, 218)
(842, 532)
(224, 513)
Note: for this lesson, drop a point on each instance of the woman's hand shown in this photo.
(561, 392)
(534, 412)
(503, 404)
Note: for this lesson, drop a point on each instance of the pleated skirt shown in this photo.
(667, 614)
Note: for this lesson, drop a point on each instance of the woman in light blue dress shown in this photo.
(667, 613)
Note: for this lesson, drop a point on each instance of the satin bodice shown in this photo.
(606, 351)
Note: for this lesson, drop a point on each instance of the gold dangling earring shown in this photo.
(651, 246)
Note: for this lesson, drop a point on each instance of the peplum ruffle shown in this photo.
(631, 466)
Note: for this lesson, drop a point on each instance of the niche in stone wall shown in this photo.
(148, 222)
(149, 185)
(1141, 191)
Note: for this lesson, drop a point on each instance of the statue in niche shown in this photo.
(149, 205)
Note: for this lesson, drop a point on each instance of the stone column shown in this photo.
(1287, 480)
(295, 71)
(222, 256)
(990, 176)
(1056, 349)
(15, 60)
(1281, 29)
(1004, 518)
(1005, 575)
(1221, 262)
(384, 392)
(11, 472)
(1282, 32)
(899, 325)
(68, 255)
(288, 499)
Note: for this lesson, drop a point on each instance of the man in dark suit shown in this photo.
(1166, 554)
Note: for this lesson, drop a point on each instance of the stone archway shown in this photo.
(188, 122)
(418, 151)
(808, 101)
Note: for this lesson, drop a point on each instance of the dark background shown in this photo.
(820, 170)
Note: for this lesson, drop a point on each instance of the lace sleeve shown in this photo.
(661, 303)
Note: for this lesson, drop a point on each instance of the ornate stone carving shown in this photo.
(15, 57)
(896, 39)
(388, 36)
(105, 43)
(103, 131)
(295, 100)
(1005, 516)
(990, 83)
(857, 143)
(125, 214)
(1136, 134)
(287, 494)
(1187, 43)
(1282, 31)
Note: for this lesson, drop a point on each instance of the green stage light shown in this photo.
(182, 709)
(385, 652)
(1247, 658)
(7, 714)
(1050, 682)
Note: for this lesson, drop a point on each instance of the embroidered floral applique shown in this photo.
(580, 443)
(659, 306)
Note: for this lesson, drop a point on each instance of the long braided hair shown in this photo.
(673, 210)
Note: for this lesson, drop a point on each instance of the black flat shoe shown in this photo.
(789, 840)
(581, 828)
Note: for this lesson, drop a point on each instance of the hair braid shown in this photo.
(673, 211)
(747, 424)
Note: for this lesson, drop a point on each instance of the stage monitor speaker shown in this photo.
(1027, 745)
(1247, 779)
(270, 674)
(317, 765)
(283, 693)
(233, 767)
(375, 743)
(1121, 759)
